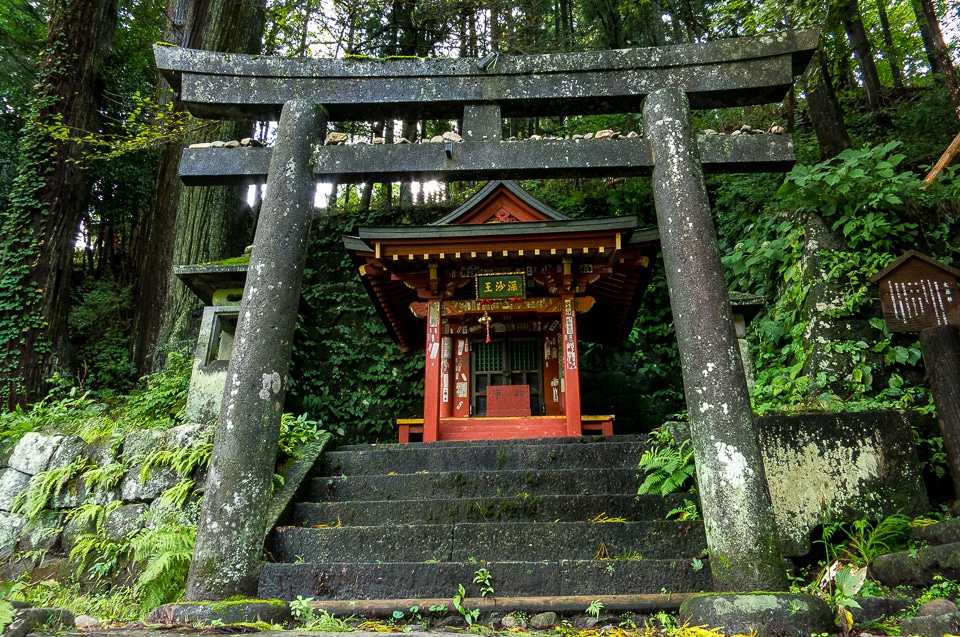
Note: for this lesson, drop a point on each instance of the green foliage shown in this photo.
(164, 548)
(594, 608)
(668, 467)
(876, 210)
(469, 616)
(348, 373)
(7, 591)
(484, 580)
(101, 331)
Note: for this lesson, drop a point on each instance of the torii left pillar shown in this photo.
(229, 544)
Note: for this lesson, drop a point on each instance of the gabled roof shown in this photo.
(503, 228)
(907, 256)
(483, 206)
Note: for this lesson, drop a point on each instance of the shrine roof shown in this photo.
(488, 189)
(504, 228)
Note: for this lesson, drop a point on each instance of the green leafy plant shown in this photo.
(484, 579)
(7, 590)
(668, 467)
(689, 511)
(469, 616)
(594, 609)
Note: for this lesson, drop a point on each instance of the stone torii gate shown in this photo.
(664, 83)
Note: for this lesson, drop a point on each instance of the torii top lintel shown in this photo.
(722, 73)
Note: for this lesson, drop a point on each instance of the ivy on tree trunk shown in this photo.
(39, 228)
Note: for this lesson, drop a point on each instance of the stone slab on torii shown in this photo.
(722, 73)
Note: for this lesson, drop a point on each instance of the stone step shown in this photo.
(544, 508)
(489, 455)
(509, 541)
(474, 484)
(383, 580)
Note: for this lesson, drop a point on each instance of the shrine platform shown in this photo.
(411, 429)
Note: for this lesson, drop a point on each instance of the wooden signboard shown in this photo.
(505, 285)
(917, 293)
(508, 400)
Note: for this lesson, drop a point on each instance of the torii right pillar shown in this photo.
(742, 535)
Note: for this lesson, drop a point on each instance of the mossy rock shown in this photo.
(767, 614)
(234, 611)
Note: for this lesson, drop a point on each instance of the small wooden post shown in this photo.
(941, 356)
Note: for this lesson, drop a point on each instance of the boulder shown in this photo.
(123, 520)
(10, 528)
(335, 138)
(27, 620)
(768, 614)
(272, 611)
(931, 625)
(12, 482)
(946, 532)
(917, 568)
(33, 453)
(132, 489)
(138, 444)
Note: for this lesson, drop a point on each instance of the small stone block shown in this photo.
(931, 625)
(768, 614)
(271, 611)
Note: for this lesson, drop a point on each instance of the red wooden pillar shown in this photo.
(432, 376)
(571, 364)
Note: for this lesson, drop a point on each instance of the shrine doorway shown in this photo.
(515, 362)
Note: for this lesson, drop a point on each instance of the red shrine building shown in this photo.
(497, 295)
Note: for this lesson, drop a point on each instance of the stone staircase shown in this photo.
(412, 522)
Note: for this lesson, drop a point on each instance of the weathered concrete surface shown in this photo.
(737, 512)
(783, 615)
(544, 508)
(620, 452)
(733, 72)
(531, 159)
(529, 541)
(842, 467)
(510, 579)
(228, 549)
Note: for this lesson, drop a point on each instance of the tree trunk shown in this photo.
(850, 14)
(943, 54)
(928, 44)
(198, 224)
(890, 51)
(826, 115)
(39, 230)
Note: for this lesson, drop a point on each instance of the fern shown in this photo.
(668, 468)
(45, 486)
(106, 477)
(166, 552)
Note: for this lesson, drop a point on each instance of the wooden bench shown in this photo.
(602, 425)
(409, 426)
